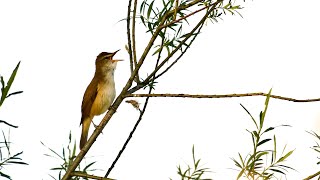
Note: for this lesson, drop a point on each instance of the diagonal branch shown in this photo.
(81, 174)
(224, 96)
(312, 176)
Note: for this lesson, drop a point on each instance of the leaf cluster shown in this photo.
(255, 164)
(6, 156)
(174, 14)
(67, 157)
(194, 172)
(5, 87)
(316, 147)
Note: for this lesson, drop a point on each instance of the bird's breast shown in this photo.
(105, 95)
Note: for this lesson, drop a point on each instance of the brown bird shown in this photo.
(100, 93)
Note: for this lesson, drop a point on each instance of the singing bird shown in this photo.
(99, 94)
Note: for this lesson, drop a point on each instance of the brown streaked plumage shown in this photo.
(99, 94)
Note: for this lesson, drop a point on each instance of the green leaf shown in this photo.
(254, 121)
(265, 108)
(5, 90)
(240, 173)
(274, 152)
(237, 163)
(260, 154)
(149, 9)
(263, 141)
(14, 93)
(287, 167)
(87, 167)
(2, 84)
(269, 129)
(276, 170)
(5, 175)
(142, 7)
(285, 156)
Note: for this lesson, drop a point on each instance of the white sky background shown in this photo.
(275, 45)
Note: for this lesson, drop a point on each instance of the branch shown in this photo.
(128, 35)
(185, 17)
(81, 174)
(134, 38)
(223, 96)
(312, 176)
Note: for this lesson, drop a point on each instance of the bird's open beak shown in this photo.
(115, 60)
(115, 52)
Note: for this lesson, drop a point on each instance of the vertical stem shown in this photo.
(129, 40)
(133, 29)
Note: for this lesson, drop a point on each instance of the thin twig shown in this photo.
(133, 29)
(223, 96)
(129, 36)
(185, 17)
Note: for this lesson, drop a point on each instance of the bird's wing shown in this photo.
(88, 99)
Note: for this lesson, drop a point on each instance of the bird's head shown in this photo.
(105, 60)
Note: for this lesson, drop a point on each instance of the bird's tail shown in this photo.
(85, 130)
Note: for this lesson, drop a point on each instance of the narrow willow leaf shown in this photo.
(5, 175)
(236, 163)
(263, 141)
(14, 93)
(149, 9)
(142, 20)
(274, 152)
(254, 121)
(260, 154)
(285, 156)
(5, 89)
(277, 170)
(87, 166)
(265, 108)
(2, 83)
(240, 173)
(142, 7)
(227, 6)
(242, 161)
(268, 129)
(288, 167)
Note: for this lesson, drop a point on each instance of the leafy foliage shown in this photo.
(6, 156)
(67, 157)
(255, 164)
(316, 147)
(193, 172)
(171, 17)
(5, 87)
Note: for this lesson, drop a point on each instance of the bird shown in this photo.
(99, 94)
